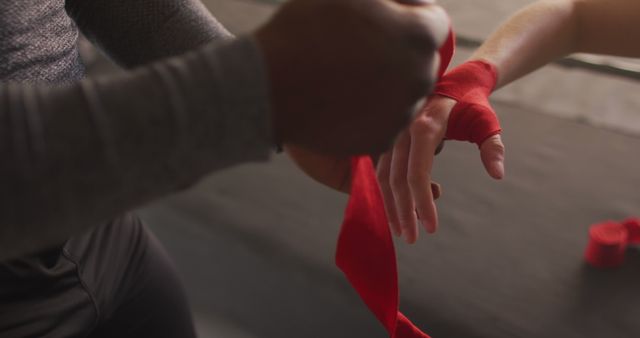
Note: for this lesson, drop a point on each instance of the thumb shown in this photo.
(492, 155)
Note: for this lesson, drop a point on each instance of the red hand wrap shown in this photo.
(446, 53)
(609, 240)
(607, 243)
(472, 118)
(633, 229)
(365, 251)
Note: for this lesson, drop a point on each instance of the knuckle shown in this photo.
(425, 127)
(497, 145)
(437, 23)
(419, 126)
(430, 27)
(420, 32)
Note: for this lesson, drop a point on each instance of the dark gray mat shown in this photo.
(255, 244)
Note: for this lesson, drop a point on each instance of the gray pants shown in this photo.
(115, 281)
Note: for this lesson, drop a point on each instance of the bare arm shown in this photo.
(536, 35)
(550, 29)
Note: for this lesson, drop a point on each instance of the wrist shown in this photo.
(476, 76)
(472, 118)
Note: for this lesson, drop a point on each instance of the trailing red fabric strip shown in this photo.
(446, 53)
(365, 251)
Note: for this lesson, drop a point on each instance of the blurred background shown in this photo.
(255, 244)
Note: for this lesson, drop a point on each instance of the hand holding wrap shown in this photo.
(472, 118)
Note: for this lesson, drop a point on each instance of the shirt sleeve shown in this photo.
(74, 156)
(134, 32)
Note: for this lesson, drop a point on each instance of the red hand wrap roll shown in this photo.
(472, 118)
(607, 244)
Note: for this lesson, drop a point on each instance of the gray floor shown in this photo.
(255, 244)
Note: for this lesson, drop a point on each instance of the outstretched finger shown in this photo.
(384, 173)
(405, 206)
(424, 141)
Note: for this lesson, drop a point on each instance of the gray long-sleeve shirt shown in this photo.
(78, 152)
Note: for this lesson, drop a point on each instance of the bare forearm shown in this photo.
(534, 36)
(550, 29)
(609, 27)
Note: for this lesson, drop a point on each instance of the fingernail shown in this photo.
(428, 227)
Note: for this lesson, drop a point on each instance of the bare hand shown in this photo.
(404, 172)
